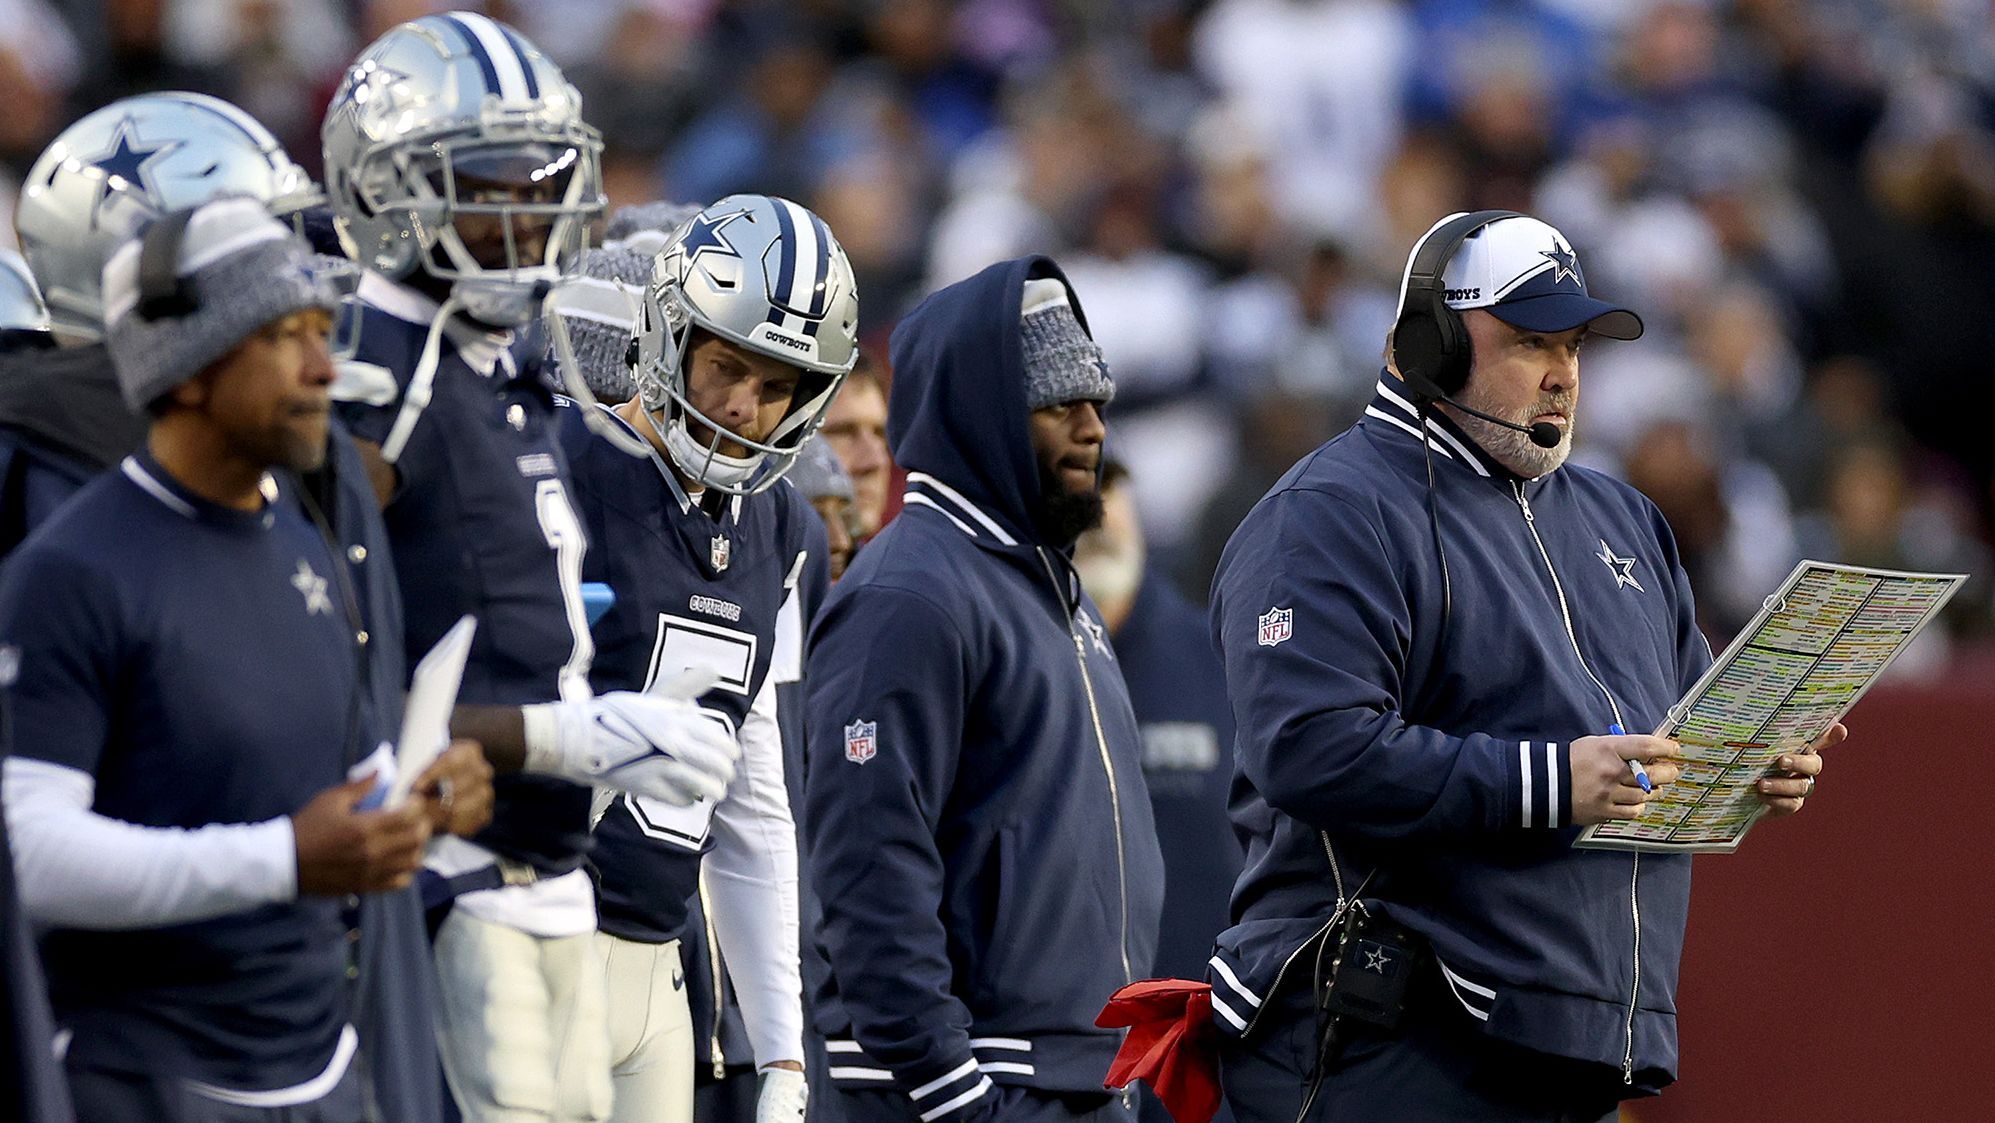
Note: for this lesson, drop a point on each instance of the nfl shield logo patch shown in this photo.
(719, 552)
(860, 743)
(1277, 625)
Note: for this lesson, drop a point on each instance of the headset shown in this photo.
(163, 293)
(1430, 344)
(1433, 353)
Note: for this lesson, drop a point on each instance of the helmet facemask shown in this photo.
(665, 393)
(513, 192)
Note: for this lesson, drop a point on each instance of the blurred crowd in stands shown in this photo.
(1798, 195)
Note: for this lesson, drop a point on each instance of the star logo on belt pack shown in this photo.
(719, 551)
(1622, 568)
(313, 588)
(862, 741)
(1379, 959)
(1277, 626)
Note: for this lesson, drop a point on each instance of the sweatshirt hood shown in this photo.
(957, 415)
(68, 397)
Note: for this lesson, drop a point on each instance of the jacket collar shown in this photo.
(1393, 408)
(924, 490)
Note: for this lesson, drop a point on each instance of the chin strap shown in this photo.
(416, 398)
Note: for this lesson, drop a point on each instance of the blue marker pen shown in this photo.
(1635, 766)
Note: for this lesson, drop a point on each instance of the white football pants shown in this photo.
(522, 1027)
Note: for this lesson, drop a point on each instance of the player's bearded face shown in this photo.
(1066, 441)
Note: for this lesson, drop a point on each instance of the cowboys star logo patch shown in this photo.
(861, 741)
(1622, 568)
(1277, 626)
(313, 588)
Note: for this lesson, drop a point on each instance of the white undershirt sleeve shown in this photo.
(79, 869)
(751, 875)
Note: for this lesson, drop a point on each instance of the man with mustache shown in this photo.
(976, 827)
(1435, 633)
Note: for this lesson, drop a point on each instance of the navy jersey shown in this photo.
(197, 661)
(692, 589)
(481, 523)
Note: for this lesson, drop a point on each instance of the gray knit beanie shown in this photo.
(602, 347)
(244, 269)
(1062, 364)
(818, 474)
(648, 226)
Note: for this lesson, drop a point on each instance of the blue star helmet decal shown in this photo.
(1565, 263)
(124, 166)
(706, 235)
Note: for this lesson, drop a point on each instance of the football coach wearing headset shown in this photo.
(1434, 630)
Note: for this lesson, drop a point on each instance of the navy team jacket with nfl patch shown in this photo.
(975, 818)
(1375, 740)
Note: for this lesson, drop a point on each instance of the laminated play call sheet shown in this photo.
(1821, 640)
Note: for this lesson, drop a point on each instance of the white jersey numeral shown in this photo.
(566, 538)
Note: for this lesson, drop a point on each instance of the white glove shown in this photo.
(658, 744)
(781, 1097)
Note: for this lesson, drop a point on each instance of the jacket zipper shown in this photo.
(1108, 766)
(1635, 877)
(718, 1058)
(1336, 914)
(1114, 803)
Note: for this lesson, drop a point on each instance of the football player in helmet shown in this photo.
(97, 184)
(462, 177)
(748, 328)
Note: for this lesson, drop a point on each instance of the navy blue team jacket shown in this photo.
(1436, 755)
(688, 586)
(482, 523)
(192, 659)
(977, 829)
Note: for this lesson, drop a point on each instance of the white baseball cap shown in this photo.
(1525, 273)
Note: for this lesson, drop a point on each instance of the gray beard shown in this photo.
(1508, 447)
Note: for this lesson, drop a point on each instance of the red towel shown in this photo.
(1172, 1045)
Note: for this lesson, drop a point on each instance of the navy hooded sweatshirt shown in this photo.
(975, 817)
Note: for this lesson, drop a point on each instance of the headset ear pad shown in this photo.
(1431, 344)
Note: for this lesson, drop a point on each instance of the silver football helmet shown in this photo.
(115, 170)
(453, 117)
(765, 274)
(21, 307)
